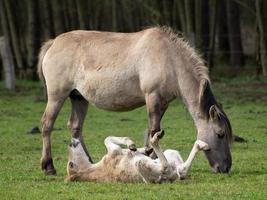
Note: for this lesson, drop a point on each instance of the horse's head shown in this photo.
(215, 129)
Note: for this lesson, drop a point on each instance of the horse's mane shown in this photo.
(207, 99)
(200, 72)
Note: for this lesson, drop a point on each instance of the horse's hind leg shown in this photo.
(52, 109)
(78, 114)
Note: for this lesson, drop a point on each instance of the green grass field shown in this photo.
(244, 100)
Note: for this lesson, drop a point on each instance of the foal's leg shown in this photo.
(53, 107)
(152, 171)
(155, 109)
(78, 114)
(155, 144)
(183, 169)
(113, 143)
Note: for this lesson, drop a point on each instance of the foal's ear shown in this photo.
(213, 113)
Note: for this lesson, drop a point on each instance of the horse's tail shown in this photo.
(42, 53)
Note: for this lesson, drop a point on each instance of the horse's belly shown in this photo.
(112, 93)
(116, 101)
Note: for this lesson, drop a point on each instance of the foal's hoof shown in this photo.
(202, 145)
(148, 151)
(160, 134)
(132, 147)
(74, 142)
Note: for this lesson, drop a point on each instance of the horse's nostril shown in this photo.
(227, 169)
(71, 164)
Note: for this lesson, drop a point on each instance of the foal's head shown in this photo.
(215, 129)
(77, 161)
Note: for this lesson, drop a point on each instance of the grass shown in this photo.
(244, 100)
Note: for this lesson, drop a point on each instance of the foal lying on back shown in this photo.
(130, 165)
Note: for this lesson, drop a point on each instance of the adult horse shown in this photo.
(123, 71)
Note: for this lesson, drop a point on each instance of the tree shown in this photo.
(213, 22)
(222, 31)
(58, 16)
(47, 19)
(33, 37)
(235, 41)
(189, 13)
(14, 37)
(262, 36)
(202, 26)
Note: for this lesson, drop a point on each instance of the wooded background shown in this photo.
(230, 34)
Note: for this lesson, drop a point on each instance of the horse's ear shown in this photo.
(213, 113)
(203, 96)
(203, 86)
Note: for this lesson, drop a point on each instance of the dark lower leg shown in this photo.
(79, 111)
(52, 109)
(156, 110)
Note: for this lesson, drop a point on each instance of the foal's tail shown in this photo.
(42, 53)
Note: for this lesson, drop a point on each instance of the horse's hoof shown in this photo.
(48, 167)
(132, 147)
(50, 172)
(74, 142)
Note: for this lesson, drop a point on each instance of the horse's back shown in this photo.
(111, 70)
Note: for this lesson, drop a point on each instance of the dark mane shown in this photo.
(197, 64)
(207, 99)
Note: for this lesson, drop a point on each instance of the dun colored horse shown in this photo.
(123, 71)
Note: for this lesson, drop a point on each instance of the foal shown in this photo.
(130, 165)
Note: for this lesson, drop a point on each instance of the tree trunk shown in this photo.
(47, 19)
(213, 22)
(202, 26)
(14, 38)
(73, 15)
(189, 13)
(58, 16)
(235, 41)
(181, 13)
(114, 15)
(83, 16)
(175, 16)
(33, 37)
(223, 40)
(262, 37)
(8, 64)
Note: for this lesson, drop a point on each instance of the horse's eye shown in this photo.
(220, 135)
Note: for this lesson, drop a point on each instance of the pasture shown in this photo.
(244, 100)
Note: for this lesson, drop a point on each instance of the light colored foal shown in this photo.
(130, 165)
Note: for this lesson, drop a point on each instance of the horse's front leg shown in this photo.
(78, 114)
(155, 109)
